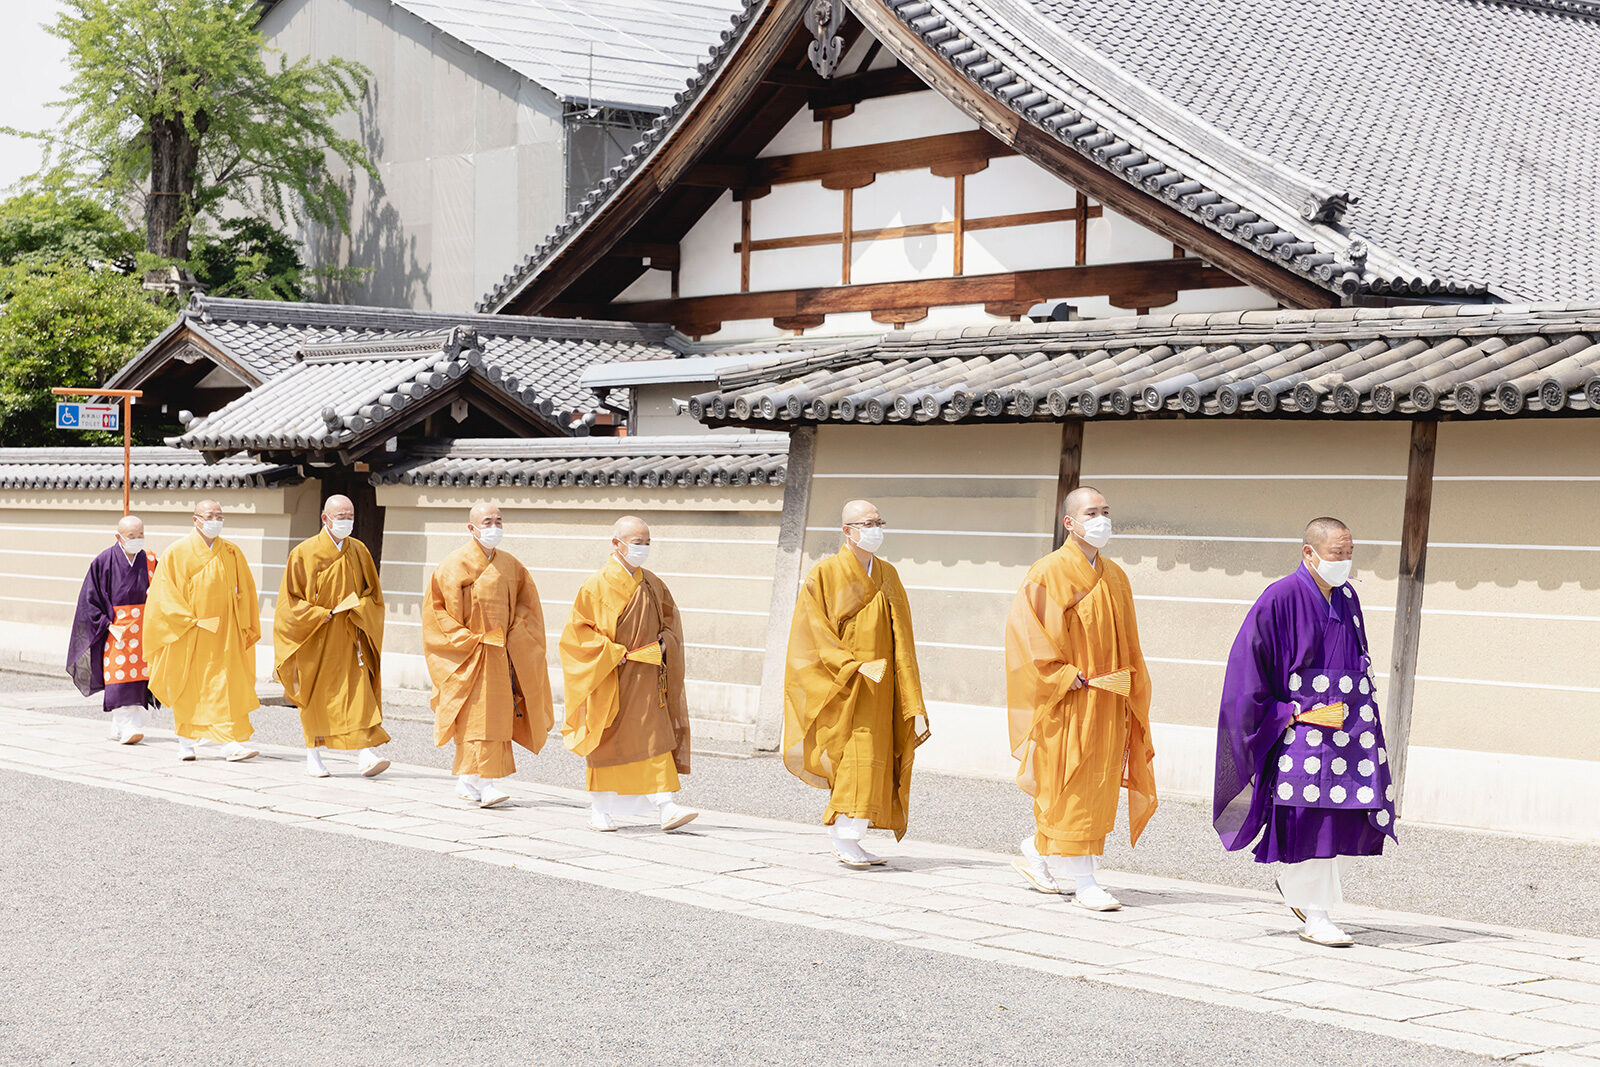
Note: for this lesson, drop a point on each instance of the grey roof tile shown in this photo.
(668, 461)
(1489, 360)
(153, 468)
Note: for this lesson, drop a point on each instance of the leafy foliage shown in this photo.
(249, 258)
(50, 226)
(67, 324)
(174, 103)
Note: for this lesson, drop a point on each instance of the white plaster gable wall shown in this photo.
(1009, 185)
(469, 156)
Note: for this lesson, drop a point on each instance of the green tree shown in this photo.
(68, 324)
(249, 258)
(175, 103)
(51, 225)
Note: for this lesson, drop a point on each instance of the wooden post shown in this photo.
(1067, 475)
(744, 246)
(1408, 601)
(127, 396)
(844, 268)
(788, 568)
(960, 225)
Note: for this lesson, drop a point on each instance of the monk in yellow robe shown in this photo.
(483, 637)
(852, 711)
(622, 661)
(327, 635)
(202, 622)
(1078, 697)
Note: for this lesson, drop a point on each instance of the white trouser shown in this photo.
(129, 718)
(1072, 866)
(630, 803)
(1313, 885)
(845, 828)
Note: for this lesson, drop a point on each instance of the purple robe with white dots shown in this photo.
(1295, 790)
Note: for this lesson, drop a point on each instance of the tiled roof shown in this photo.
(547, 355)
(680, 461)
(336, 395)
(1408, 147)
(1495, 360)
(632, 54)
(153, 468)
(1455, 122)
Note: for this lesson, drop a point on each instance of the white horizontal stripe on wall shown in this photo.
(1090, 478)
(1229, 538)
(897, 530)
(880, 475)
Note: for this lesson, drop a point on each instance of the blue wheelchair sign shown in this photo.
(67, 416)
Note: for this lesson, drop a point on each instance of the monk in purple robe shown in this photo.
(1302, 773)
(106, 649)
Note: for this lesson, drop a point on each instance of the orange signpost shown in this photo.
(127, 396)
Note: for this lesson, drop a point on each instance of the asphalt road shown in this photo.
(1456, 874)
(137, 931)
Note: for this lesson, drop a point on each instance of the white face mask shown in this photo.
(211, 529)
(869, 538)
(133, 545)
(1333, 571)
(635, 554)
(1096, 531)
(490, 536)
(340, 528)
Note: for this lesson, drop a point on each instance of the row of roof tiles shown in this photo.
(1497, 360)
(153, 468)
(651, 462)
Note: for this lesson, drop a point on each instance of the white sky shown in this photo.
(32, 68)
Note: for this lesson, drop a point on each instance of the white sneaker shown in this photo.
(1034, 870)
(1320, 930)
(601, 822)
(314, 765)
(234, 752)
(467, 788)
(674, 815)
(1092, 895)
(371, 764)
(490, 795)
(187, 749)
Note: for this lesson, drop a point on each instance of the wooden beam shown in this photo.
(663, 255)
(788, 571)
(1408, 601)
(1066, 476)
(1126, 284)
(917, 229)
(868, 85)
(1084, 174)
(805, 78)
(911, 154)
(717, 175)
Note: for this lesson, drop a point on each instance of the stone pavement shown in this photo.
(1529, 996)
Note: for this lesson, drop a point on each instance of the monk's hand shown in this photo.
(1077, 682)
(495, 637)
(919, 726)
(210, 625)
(650, 653)
(117, 631)
(876, 669)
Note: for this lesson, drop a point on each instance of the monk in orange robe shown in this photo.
(853, 713)
(202, 622)
(622, 661)
(327, 635)
(1078, 698)
(483, 638)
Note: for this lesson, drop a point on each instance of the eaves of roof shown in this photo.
(1433, 361)
(152, 468)
(651, 462)
(1003, 53)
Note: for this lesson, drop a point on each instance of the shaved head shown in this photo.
(338, 507)
(208, 509)
(485, 515)
(130, 527)
(1082, 501)
(630, 529)
(1320, 531)
(858, 511)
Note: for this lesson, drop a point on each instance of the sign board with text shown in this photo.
(88, 417)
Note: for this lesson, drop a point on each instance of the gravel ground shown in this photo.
(141, 932)
(1434, 871)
